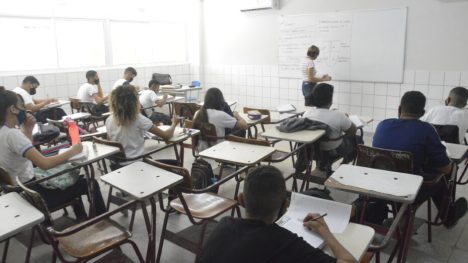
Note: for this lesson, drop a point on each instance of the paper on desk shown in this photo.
(80, 156)
(286, 108)
(337, 217)
(357, 121)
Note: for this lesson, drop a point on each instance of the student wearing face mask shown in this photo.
(129, 74)
(91, 92)
(27, 91)
(18, 156)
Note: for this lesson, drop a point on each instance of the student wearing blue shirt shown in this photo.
(408, 133)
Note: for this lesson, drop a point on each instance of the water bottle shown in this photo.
(73, 132)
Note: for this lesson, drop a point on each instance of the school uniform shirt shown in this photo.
(28, 99)
(449, 115)
(86, 92)
(132, 136)
(222, 121)
(147, 99)
(14, 145)
(337, 121)
(245, 240)
(415, 136)
(119, 82)
(306, 64)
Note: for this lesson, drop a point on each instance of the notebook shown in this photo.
(357, 121)
(286, 108)
(337, 217)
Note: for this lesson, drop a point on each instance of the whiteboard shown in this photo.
(354, 46)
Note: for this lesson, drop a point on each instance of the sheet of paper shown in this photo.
(80, 156)
(286, 108)
(337, 217)
(357, 121)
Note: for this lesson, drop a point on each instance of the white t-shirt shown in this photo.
(221, 120)
(449, 115)
(306, 64)
(28, 99)
(14, 145)
(147, 99)
(131, 137)
(337, 121)
(119, 82)
(86, 92)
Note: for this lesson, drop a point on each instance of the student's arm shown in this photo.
(319, 226)
(99, 99)
(241, 123)
(352, 130)
(39, 104)
(161, 102)
(100, 93)
(46, 163)
(447, 169)
(167, 134)
(312, 78)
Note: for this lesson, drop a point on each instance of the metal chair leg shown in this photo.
(5, 250)
(137, 251)
(163, 236)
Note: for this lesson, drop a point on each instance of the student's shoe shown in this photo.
(458, 210)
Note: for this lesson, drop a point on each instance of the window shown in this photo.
(80, 43)
(27, 44)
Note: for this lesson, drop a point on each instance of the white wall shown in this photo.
(240, 54)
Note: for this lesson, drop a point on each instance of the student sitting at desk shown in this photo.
(322, 98)
(91, 92)
(127, 125)
(256, 238)
(212, 112)
(408, 133)
(129, 74)
(18, 156)
(149, 98)
(453, 113)
(27, 90)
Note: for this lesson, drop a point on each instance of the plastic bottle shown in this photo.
(73, 132)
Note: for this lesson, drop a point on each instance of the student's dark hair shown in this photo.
(91, 74)
(264, 192)
(2, 88)
(31, 80)
(413, 102)
(124, 105)
(459, 96)
(313, 52)
(214, 99)
(131, 70)
(321, 95)
(153, 82)
(7, 99)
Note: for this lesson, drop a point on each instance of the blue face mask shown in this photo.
(21, 116)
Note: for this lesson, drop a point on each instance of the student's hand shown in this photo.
(29, 123)
(236, 115)
(160, 103)
(76, 149)
(326, 77)
(175, 120)
(318, 225)
(49, 101)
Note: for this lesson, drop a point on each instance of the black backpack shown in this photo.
(202, 175)
(46, 133)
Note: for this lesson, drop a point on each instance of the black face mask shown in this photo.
(32, 91)
(96, 81)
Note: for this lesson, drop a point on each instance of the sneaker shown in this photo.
(457, 211)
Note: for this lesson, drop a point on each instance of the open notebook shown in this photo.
(337, 216)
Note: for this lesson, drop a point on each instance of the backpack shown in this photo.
(202, 175)
(46, 133)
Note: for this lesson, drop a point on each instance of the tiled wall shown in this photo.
(260, 86)
(66, 84)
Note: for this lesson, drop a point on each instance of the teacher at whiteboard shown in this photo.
(309, 71)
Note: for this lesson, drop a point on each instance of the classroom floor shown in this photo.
(449, 245)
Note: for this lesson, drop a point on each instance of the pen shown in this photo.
(318, 217)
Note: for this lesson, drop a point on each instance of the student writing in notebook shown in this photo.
(18, 156)
(150, 98)
(256, 238)
(91, 92)
(213, 111)
(452, 113)
(408, 133)
(127, 125)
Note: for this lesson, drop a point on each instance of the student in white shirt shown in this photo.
(18, 156)
(322, 97)
(309, 71)
(150, 98)
(27, 90)
(453, 113)
(129, 74)
(128, 126)
(91, 92)
(212, 112)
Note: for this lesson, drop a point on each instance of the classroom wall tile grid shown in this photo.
(260, 86)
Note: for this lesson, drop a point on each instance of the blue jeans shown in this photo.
(307, 88)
